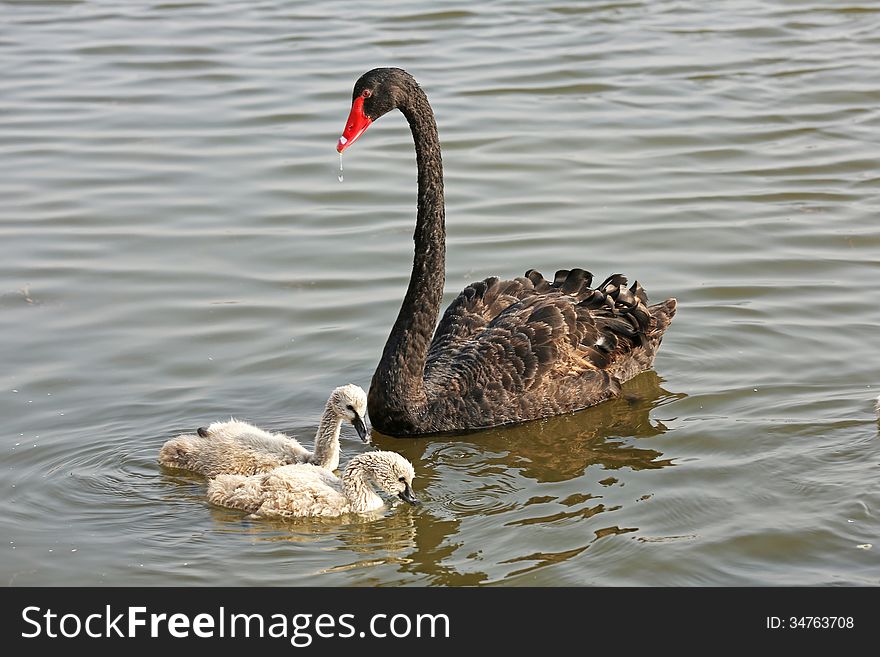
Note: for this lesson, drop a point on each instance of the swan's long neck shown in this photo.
(358, 490)
(326, 454)
(398, 389)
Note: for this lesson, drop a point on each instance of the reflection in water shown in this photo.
(476, 477)
(391, 530)
(542, 559)
(555, 449)
(363, 542)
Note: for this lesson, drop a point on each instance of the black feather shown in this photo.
(574, 281)
(612, 284)
(596, 299)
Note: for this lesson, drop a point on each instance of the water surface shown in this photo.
(175, 248)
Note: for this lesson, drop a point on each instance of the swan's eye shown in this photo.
(350, 407)
(366, 93)
(402, 480)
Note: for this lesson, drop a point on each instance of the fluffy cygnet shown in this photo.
(303, 490)
(236, 447)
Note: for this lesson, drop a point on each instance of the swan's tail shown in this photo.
(177, 453)
(236, 491)
(662, 314)
(613, 299)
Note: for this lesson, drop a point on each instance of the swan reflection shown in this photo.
(553, 449)
(524, 482)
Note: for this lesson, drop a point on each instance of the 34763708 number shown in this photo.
(810, 622)
(820, 622)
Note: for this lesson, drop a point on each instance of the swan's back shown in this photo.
(522, 349)
(286, 492)
(231, 447)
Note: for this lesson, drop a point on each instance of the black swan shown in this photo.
(505, 351)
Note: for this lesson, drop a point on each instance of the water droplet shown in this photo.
(341, 177)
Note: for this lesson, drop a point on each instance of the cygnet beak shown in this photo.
(407, 496)
(361, 428)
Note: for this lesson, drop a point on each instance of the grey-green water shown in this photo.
(175, 248)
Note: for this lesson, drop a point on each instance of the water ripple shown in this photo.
(176, 248)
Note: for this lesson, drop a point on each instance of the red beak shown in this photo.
(355, 126)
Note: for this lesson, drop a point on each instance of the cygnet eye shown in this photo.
(402, 480)
(350, 407)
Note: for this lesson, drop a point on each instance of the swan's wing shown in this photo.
(301, 490)
(561, 344)
(282, 447)
(298, 473)
(237, 439)
(482, 302)
(472, 310)
(287, 491)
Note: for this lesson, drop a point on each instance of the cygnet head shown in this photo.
(350, 403)
(391, 472)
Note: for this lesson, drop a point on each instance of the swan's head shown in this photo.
(391, 472)
(376, 93)
(388, 470)
(350, 403)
